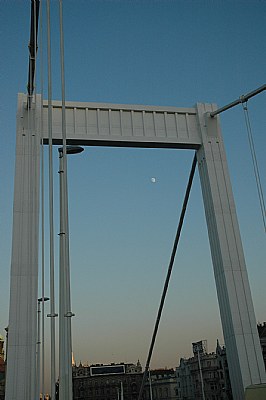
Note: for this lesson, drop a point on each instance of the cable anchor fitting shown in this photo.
(52, 315)
(69, 314)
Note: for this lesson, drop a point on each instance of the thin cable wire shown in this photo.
(170, 268)
(27, 133)
(67, 368)
(51, 203)
(42, 199)
(255, 164)
(35, 56)
(32, 138)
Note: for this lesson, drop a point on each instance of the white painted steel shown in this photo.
(22, 328)
(52, 314)
(120, 124)
(38, 353)
(63, 333)
(124, 125)
(65, 313)
(237, 314)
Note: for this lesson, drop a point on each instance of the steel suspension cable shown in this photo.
(32, 93)
(42, 198)
(32, 48)
(255, 163)
(51, 203)
(65, 388)
(170, 268)
(32, 113)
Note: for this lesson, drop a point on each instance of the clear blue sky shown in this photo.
(170, 53)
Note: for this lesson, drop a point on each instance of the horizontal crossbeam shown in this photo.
(123, 125)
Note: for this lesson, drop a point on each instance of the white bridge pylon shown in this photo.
(136, 126)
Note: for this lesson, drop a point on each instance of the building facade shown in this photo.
(205, 372)
(2, 369)
(204, 376)
(161, 385)
(262, 336)
(107, 382)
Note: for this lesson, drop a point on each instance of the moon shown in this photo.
(153, 180)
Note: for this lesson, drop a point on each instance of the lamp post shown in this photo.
(201, 377)
(150, 384)
(198, 348)
(65, 313)
(38, 352)
(122, 391)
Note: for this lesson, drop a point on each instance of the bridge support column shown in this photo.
(243, 349)
(22, 328)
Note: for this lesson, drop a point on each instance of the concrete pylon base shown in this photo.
(256, 392)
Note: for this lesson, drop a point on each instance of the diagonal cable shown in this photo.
(255, 164)
(170, 267)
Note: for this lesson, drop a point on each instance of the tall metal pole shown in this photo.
(201, 377)
(150, 384)
(52, 314)
(65, 313)
(62, 291)
(38, 348)
(65, 350)
(42, 300)
(122, 391)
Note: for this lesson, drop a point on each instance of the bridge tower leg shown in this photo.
(22, 335)
(243, 349)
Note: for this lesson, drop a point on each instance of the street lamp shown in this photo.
(120, 394)
(65, 313)
(150, 384)
(122, 391)
(38, 353)
(198, 348)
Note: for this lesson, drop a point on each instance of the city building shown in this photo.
(262, 336)
(205, 375)
(223, 372)
(107, 382)
(2, 369)
(161, 384)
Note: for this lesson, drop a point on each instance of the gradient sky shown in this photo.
(122, 225)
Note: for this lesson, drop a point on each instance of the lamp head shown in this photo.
(40, 299)
(71, 150)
